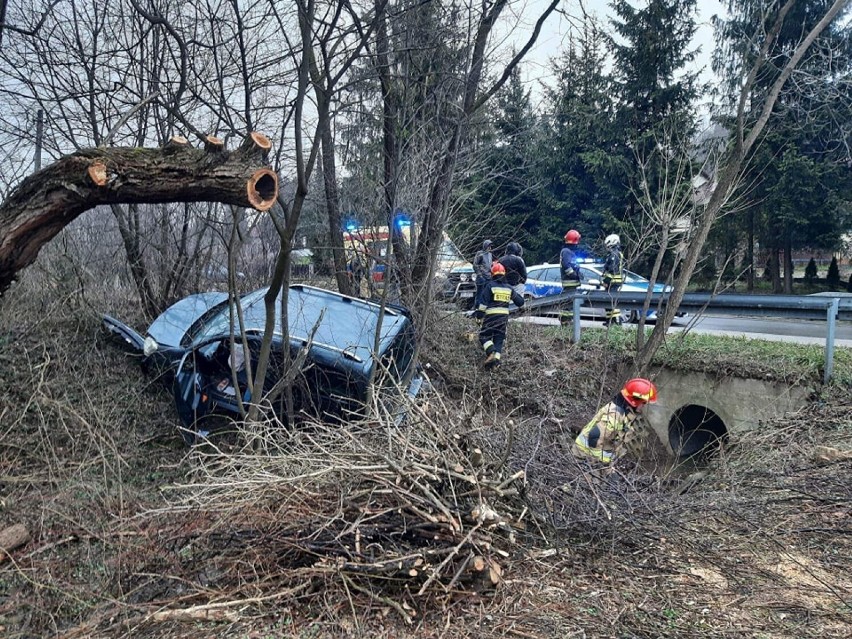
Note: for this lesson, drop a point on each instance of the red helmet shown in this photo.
(639, 391)
(572, 237)
(498, 269)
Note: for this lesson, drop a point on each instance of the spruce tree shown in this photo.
(811, 271)
(584, 179)
(656, 94)
(832, 278)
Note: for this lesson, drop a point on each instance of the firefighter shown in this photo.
(482, 262)
(493, 310)
(359, 274)
(603, 437)
(613, 276)
(571, 274)
(516, 268)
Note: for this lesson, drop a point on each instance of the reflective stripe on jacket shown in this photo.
(569, 268)
(497, 296)
(601, 437)
(612, 270)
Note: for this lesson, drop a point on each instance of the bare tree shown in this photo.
(430, 71)
(744, 135)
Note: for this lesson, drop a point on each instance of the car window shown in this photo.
(552, 274)
(535, 273)
(630, 277)
(589, 274)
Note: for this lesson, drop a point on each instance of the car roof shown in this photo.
(330, 319)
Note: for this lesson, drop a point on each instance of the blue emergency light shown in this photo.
(401, 221)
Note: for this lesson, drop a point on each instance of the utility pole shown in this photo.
(39, 138)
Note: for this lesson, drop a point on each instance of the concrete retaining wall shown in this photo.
(742, 404)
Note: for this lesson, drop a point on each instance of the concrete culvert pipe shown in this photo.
(696, 431)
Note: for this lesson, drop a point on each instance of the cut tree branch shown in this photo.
(47, 201)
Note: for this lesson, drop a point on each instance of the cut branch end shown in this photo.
(262, 189)
(256, 142)
(98, 173)
(212, 144)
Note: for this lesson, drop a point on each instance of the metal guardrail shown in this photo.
(812, 307)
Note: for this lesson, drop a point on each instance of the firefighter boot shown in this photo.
(493, 360)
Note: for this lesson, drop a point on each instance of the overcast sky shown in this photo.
(556, 34)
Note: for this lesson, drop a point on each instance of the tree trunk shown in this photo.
(332, 205)
(775, 270)
(750, 252)
(47, 201)
(788, 262)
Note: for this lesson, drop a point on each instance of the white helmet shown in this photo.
(612, 241)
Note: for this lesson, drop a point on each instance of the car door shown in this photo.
(533, 287)
(552, 281)
(190, 400)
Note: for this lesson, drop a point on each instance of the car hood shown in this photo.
(170, 327)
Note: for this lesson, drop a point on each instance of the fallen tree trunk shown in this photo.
(47, 201)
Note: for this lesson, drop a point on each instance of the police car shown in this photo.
(545, 279)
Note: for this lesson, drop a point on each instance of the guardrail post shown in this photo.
(576, 303)
(829, 338)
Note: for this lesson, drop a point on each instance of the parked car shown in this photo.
(459, 286)
(545, 279)
(189, 344)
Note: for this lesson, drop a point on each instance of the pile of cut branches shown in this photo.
(398, 515)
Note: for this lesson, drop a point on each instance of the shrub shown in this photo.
(849, 285)
(811, 271)
(833, 276)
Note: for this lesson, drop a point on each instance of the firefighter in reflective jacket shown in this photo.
(602, 437)
(570, 271)
(494, 312)
(613, 276)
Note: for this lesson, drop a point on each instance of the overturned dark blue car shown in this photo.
(351, 347)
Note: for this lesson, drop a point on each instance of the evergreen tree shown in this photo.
(797, 188)
(832, 278)
(655, 92)
(585, 178)
(499, 195)
(811, 271)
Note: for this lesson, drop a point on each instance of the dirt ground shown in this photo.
(472, 520)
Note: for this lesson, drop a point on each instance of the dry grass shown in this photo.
(370, 530)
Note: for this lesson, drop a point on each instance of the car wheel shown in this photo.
(632, 317)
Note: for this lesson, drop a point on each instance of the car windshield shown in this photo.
(449, 252)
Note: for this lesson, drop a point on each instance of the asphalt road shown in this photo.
(802, 331)
(798, 331)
